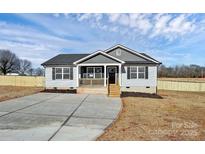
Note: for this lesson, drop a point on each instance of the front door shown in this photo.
(112, 70)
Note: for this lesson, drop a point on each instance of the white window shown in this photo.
(62, 73)
(90, 72)
(98, 72)
(66, 73)
(141, 72)
(133, 72)
(137, 72)
(94, 72)
(58, 73)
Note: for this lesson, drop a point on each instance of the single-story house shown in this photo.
(121, 66)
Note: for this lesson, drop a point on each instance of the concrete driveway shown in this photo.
(52, 116)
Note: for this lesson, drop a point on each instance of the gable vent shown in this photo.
(118, 52)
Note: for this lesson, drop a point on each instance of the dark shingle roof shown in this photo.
(64, 59)
(148, 56)
(68, 59)
(139, 62)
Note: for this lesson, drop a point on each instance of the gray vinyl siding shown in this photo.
(99, 59)
(125, 55)
(64, 84)
(151, 81)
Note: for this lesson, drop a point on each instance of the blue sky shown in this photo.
(170, 38)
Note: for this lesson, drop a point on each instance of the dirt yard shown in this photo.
(176, 116)
(9, 92)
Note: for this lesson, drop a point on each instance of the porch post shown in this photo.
(120, 74)
(105, 72)
(77, 76)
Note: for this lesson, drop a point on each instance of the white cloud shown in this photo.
(161, 23)
(84, 16)
(171, 28)
(113, 17)
(29, 43)
(52, 33)
(154, 25)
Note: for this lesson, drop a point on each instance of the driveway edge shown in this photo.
(111, 124)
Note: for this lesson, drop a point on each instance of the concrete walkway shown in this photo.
(58, 117)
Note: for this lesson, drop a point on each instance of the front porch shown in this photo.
(98, 75)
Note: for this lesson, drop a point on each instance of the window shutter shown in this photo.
(53, 73)
(71, 73)
(146, 72)
(128, 72)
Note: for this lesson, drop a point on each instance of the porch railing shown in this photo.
(92, 81)
(93, 75)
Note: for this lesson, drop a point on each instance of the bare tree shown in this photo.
(183, 71)
(39, 71)
(8, 62)
(30, 71)
(25, 67)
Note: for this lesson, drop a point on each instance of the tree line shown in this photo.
(10, 63)
(182, 71)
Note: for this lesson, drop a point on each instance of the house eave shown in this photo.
(96, 53)
(132, 51)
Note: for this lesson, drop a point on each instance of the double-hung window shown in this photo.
(66, 73)
(141, 72)
(133, 72)
(137, 72)
(90, 72)
(59, 73)
(98, 72)
(94, 72)
(62, 73)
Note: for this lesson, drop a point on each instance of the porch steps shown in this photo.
(114, 90)
(92, 90)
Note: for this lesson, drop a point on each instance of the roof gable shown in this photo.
(99, 58)
(107, 56)
(130, 55)
(125, 55)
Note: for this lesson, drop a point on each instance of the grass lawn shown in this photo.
(177, 116)
(9, 92)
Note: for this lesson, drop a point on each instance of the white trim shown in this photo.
(105, 75)
(62, 73)
(117, 76)
(141, 72)
(77, 76)
(94, 74)
(133, 72)
(137, 67)
(120, 74)
(98, 64)
(97, 52)
(132, 51)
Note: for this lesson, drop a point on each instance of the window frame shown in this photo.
(137, 72)
(141, 72)
(66, 73)
(93, 68)
(62, 73)
(133, 72)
